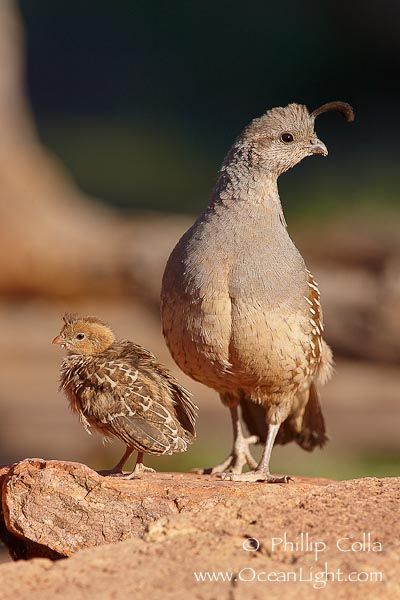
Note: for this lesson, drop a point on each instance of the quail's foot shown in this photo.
(135, 474)
(253, 476)
(138, 471)
(235, 462)
(115, 472)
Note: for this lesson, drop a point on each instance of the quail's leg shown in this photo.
(261, 473)
(139, 468)
(117, 470)
(240, 455)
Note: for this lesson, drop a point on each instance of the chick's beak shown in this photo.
(318, 147)
(57, 340)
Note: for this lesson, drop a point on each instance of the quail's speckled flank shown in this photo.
(241, 312)
(119, 389)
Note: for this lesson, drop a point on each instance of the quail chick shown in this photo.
(241, 313)
(119, 389)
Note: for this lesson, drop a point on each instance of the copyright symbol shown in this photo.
(251, 545)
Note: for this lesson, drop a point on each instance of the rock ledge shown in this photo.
(152, 535)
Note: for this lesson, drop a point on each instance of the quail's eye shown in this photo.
(287, 138)
(80, 336)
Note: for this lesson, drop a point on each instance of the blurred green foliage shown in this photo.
(214, 440)
(140, 166)
(328, 464)
(142, 100)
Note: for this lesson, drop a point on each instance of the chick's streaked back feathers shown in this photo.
(125, 392)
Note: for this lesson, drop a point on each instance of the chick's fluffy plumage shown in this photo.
(119, 389)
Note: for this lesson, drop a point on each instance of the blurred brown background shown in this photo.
(139, 106)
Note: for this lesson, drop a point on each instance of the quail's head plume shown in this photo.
(241, 312)
(119, 389)
(282, 137)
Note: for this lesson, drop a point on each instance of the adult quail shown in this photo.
(119, 389)
(241, 313)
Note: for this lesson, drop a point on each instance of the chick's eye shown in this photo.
(287, 138)
(80, 336)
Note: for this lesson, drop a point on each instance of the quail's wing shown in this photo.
(135, 411)
(147, 424)
(148, 367)
(185, 409)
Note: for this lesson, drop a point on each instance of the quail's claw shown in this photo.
(224, 466)
(111, 473)
(235, 462)
(138, 471)
(135, 474)
(253, 476)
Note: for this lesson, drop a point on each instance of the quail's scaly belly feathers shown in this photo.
(243, 319)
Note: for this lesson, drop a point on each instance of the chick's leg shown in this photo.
(117, 470)
(240, 455)
(261, 473)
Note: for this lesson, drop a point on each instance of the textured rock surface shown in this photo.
(184, 523)
(58, 508)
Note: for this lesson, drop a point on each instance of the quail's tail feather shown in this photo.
(326, 365)
(308, 432)
(313, 432)
(185, 409)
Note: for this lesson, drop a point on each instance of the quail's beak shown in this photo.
(58, 340)
(318, 147)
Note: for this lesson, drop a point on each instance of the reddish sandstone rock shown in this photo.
(54, 509)
(205, 526)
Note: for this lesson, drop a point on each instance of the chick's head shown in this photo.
(84, 335)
